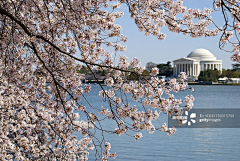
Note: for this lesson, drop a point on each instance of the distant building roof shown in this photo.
(201, 54)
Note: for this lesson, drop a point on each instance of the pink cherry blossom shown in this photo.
(46, 44)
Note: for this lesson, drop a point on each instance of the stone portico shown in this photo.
(198, 60)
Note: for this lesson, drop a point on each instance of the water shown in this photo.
(186, 143)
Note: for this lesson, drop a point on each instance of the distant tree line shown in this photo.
(232, 73)
(213, 75)
(165, 69)
(85, 70)
(209, 75)
(133, 76)
(130, 76)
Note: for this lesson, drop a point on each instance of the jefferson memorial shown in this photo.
(198, 60)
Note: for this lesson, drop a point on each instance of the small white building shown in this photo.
(198, 60)
(228, 80)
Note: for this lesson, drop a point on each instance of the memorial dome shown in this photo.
(201, 54)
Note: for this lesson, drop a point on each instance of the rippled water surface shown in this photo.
(186, 143)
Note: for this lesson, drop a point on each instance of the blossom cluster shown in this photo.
(43, 45)
(150, 94)
(164, 12)
(169, 131)
(231, 6)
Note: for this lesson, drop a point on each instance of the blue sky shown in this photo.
(175, 46)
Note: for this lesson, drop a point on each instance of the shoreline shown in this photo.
(189, 83)
(211, 83)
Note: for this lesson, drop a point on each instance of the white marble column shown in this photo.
(178, 69)
(195, 66)
(199, 69)
(192, 69)
(173, 69)
(195, 69)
